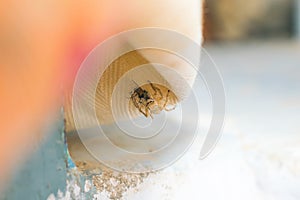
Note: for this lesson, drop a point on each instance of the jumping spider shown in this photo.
(149, 104)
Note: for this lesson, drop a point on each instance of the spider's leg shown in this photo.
(134, 101)
(148, 112)
(143, 112)
(156, 90)
(167, 99)
(165, 104)
(135, 84)
(149, 103)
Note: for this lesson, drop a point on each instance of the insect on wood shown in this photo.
(151, 102)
